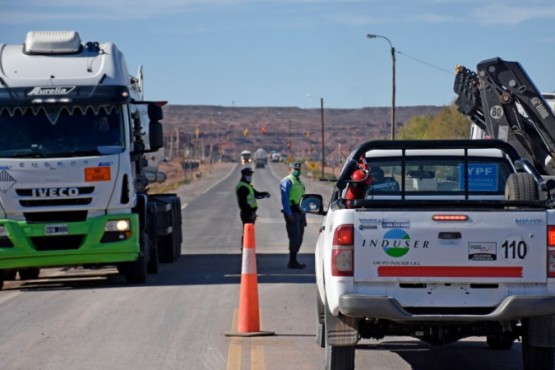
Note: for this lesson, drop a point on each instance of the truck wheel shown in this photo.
(167, 248)
(178, 237)
(500, 341)
(320, 321)
(338, 357)
(10, 274)
(1, 279)
(521, 186)
(533, 357)
(136, 271)
(152, 266)
(29, 273)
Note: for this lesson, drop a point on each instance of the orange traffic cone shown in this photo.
(248, 323)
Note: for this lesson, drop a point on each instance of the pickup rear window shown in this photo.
(437, 175)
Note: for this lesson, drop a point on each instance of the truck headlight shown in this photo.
(117, 225)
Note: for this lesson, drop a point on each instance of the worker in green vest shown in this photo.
(292, 188)
(247, 196)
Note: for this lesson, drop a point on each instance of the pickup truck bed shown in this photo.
(443, 240)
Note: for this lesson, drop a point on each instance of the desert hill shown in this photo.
(217, 132)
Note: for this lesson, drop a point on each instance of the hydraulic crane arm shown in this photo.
(503, 101)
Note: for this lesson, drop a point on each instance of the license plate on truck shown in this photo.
(56, 229)
(487, 246)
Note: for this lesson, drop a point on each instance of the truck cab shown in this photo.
(72, 179)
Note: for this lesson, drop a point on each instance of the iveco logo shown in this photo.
(60, 90)
(55, 192)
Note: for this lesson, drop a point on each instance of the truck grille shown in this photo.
(36, 198)
(56, 243)
(69, 216)
(55, 202)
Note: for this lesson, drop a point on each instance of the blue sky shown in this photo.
(292, 52)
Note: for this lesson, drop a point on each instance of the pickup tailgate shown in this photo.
(490, 246)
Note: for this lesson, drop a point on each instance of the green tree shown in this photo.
(447, 124)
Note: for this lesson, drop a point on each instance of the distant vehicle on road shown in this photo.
(260, 158)
(276, 157)
(246, 157)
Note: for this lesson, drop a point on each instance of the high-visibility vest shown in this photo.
(297, 190)
(251, 200)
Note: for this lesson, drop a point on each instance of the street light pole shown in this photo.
(371, 36)
(322, 116)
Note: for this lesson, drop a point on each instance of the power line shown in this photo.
(426, 63)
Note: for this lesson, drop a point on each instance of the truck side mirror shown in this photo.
(155, 129)
(155, 135)
(155, 112)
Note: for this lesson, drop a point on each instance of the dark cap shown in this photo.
(247, 171)
(295, 165)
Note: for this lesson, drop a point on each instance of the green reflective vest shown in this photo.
(297, 190)
(251, 200)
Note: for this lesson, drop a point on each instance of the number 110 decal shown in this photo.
(514, 249)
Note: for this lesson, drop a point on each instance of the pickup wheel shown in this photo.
(320, 321)
(533, 357)
(338, 357)
(521, 186)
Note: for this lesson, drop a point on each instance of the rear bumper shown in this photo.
(388, 308)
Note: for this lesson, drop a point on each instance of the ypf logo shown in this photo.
(396, 243)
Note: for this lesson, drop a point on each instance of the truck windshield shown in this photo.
(42, 131)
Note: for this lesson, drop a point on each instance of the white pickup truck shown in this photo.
(447, 239)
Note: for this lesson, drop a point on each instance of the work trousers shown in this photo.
(295, 231)
(247, 217)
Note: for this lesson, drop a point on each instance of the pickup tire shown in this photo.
(533, 357)
(320, 321)
(521, 186)
(337, 357)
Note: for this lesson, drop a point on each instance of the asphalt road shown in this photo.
(91, 319)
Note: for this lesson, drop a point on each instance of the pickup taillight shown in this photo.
(342, 251)
(551, 251)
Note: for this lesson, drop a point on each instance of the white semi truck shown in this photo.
(78, 151)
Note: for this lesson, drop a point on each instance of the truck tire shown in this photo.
(152, 266)
(170, 244)
(521, 186)
(29, 273)
(136, 272)
(536, 358)
(167, 248)
(1, 279)
(10, 274)
(320, 321)
(337, 357)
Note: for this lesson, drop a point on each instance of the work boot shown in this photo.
(296, 265)
(293, 263)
